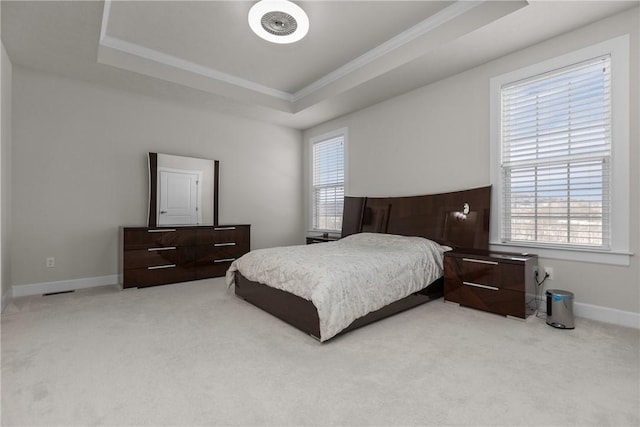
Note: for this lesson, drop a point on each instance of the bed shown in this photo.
(388, 260)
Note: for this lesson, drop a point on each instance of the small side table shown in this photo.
(498, 282)
(320, 239)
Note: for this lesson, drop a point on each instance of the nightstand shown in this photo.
(498, 282)
(320, 239)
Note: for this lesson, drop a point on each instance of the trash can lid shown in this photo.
(559, 292)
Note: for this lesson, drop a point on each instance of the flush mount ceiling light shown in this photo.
(278, 21)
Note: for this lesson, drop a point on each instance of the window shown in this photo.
(559, 153)
(328, 181)
(556, 151)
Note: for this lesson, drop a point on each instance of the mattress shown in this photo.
(348, 278)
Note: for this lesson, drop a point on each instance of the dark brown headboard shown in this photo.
(438, 217)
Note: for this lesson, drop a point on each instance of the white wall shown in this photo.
(80, 172)
(5, 176)
(436, 139)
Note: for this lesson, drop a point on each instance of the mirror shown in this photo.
(182, 190)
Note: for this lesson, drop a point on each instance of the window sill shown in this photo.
(581, 255)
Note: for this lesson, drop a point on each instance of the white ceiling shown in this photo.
(356, 53)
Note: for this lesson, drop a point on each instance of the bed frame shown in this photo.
(458, 219)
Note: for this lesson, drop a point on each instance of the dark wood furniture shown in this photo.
(439, 217)
(160, 255)
(498, 282)
(320, 239)
(302, 314)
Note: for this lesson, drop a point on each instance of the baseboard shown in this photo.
(608, 315)
(63, 285)
(601, 314)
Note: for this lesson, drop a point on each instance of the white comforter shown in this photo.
(348, 278)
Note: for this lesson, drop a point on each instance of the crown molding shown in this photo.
(409, 35)
(106, 11)
(191, 67)
(179, 63)
(449, 13)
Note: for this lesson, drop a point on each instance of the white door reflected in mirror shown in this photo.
(182, 190)
(180, 197)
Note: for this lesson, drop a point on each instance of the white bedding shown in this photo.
(348, 278)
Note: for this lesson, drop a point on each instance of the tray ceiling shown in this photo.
(204, 51)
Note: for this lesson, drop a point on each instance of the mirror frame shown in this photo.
(153, 190)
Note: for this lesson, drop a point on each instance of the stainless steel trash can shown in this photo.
(560, 309)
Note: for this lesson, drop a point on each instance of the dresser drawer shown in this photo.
(207, 269)
(223, 234)
(519, 277)
(153, 257)
(484, 297)
(498, 282)
(145, 238)
(158, 275)
(161, 255)
(208, 253)
(480, 271)
(214, 261)
(502, 275)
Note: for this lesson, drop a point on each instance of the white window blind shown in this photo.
(328, 183)
(556, 156)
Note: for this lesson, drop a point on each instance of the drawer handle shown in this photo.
(477, 285)
(157, 267)
(165, 248)
(224, 260)
(223, 228)
(480, 261)
(224, 244)
(162, 230)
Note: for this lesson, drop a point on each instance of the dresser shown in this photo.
(160, 255)
(498, 282)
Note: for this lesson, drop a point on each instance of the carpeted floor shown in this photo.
(194, 354)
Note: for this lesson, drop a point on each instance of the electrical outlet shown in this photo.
(51, 262)
(548, 271)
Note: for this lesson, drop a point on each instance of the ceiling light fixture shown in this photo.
(278, 21)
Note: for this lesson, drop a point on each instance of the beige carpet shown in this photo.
(194, 354)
